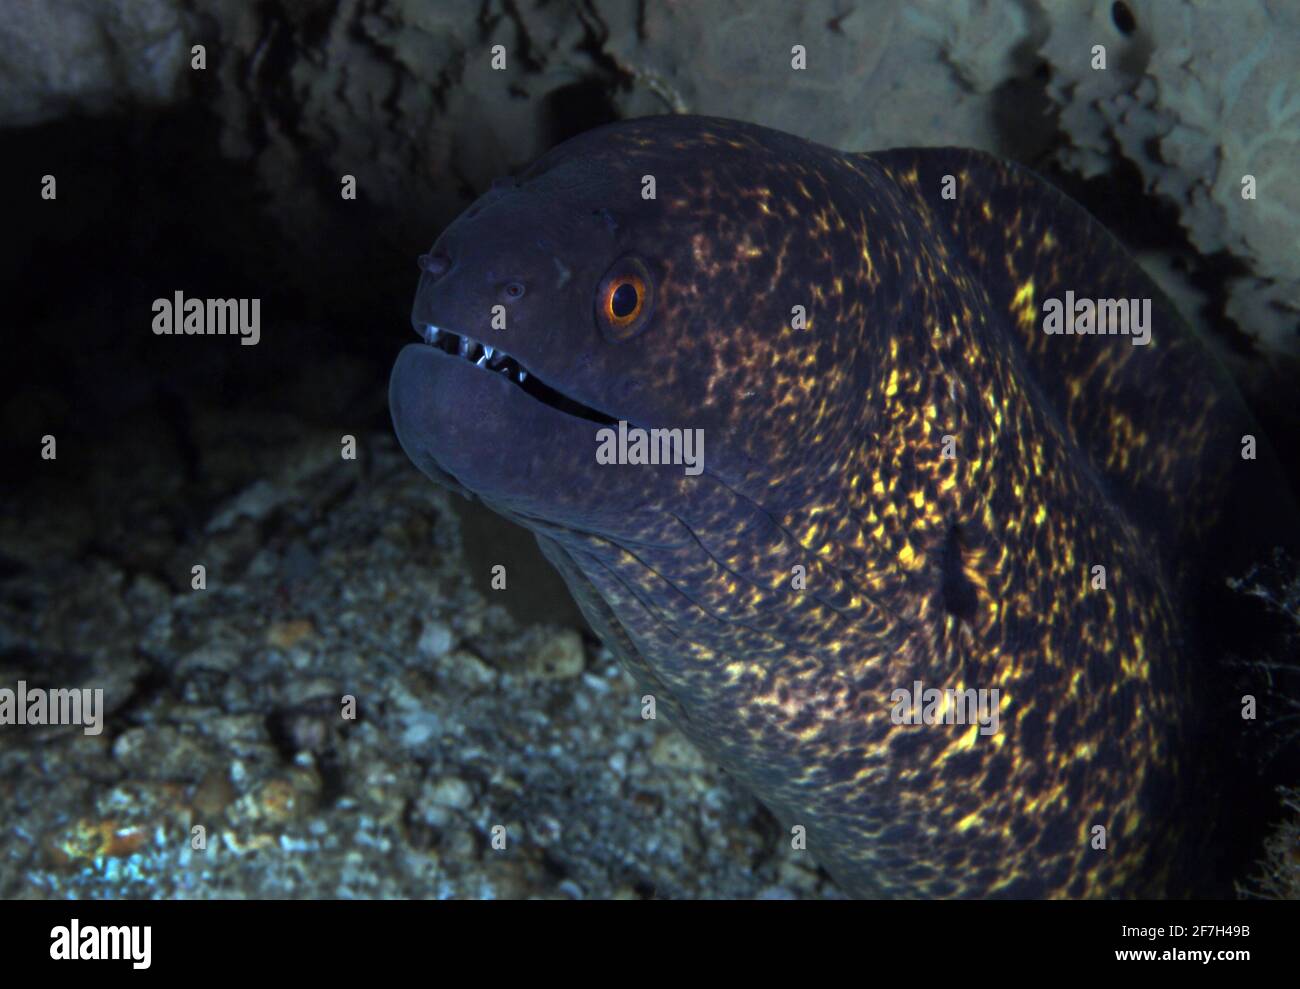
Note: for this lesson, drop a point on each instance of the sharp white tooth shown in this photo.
(522, 375)
(481, 361)
(431, 333)
(487, 351)
(464, 346)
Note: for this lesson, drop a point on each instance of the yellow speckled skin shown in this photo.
(825, 450)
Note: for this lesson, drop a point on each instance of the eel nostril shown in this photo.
(435, 264)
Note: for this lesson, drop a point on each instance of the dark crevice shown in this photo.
(576, 108)
(1122, 15)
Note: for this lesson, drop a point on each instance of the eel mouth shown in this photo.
(493, 360)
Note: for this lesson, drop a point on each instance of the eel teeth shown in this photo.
(479, 354)
(495, 359)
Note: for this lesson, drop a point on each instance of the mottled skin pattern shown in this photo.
(825, 451)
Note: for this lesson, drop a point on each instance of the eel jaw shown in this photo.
(493, 359)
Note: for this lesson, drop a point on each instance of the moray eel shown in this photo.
(912, 484)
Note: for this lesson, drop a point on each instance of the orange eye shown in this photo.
(624, 300)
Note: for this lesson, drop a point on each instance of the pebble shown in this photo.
(436, 640)
(559, 658)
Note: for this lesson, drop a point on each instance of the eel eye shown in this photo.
(623, 301)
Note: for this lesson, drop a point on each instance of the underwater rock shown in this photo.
(1198, 97)
(89, 56)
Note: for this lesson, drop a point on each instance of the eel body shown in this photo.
(907, 484)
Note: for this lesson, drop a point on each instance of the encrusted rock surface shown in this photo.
(1197, 97)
